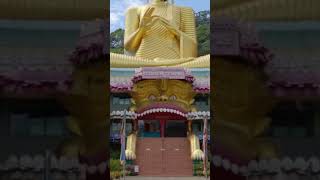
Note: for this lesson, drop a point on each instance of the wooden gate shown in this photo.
(164, 157)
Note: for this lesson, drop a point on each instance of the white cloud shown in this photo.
(118, 9)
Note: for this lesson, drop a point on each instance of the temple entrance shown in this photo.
(151, 128)
(164, 157)
(162, 128)
(176, 128)
(163, 148)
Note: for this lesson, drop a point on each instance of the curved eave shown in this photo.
(272, 10)
(53, 10)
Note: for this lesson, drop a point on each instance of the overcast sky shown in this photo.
(119, 7)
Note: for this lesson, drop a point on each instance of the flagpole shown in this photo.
(204, 145)
(124, 132)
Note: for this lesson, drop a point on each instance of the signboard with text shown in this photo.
(163, 73)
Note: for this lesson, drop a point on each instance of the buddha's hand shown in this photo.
(174, 30)
(147, 17)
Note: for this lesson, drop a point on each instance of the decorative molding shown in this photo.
(287, 167)
(234, 38)
(199, 115)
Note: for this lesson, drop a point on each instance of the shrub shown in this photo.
(115, 165)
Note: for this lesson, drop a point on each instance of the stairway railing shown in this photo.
(131, 146)
(196, 152)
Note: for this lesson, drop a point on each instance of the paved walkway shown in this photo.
(165, 178)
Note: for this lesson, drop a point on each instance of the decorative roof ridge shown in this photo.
(237, 38)
(20, 86)
(91, 47)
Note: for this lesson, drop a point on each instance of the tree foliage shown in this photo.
(116, 41)
(203, 35)
(203, 32)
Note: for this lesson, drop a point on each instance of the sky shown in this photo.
(119, 7)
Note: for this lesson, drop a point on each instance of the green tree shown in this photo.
(116, 41)
(203, 32)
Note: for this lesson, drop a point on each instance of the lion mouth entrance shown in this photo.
(166, 121)
(162, 114)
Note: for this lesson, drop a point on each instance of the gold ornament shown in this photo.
(176, 92)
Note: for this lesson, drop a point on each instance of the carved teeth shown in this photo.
(156, 110)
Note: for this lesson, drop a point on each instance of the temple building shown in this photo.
(160, 89)
(121, 86)
(265, 79)
(161, 120)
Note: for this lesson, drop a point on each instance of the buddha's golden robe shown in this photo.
(169, 39)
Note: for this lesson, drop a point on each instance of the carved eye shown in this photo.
(173, 97)
(152, 97)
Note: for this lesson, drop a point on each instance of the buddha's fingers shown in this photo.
(149, 12)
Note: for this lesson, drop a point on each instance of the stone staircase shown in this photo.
(164, 157)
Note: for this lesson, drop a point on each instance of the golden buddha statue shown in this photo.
(160, 34)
